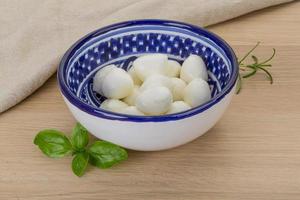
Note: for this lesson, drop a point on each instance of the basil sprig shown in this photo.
(104, 154)
(53, 143)
(79, 137)
(101, 154)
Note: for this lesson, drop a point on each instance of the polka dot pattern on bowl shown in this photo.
(122, 46)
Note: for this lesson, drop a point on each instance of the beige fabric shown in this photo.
(34, 34)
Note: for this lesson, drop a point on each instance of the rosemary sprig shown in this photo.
(248, 70)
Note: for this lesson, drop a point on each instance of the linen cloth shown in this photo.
(34, 34)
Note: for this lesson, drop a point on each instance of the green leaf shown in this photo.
(268, 74)
(254, 59)
(239, 84)
(272, 56)
(53, 143)
(80, 137)
(250, 74)
(105, 154)
(79, 163)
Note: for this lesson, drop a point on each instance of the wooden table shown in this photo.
(252, 153)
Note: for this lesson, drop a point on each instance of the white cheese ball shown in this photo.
(178, 106)
(99, 77)
(173, 68)
(130, 100)
(150, 64)
(193, 67)
(131, 110)
(113, 105)
(134, 77)
(157, 80)
(117, 84)
(177, 88)
(154, 101)
(197, 92)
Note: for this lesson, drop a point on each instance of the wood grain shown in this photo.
(252, 153)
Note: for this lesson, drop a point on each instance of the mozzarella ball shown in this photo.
(193, 67)
(173, 68)
(134, 77)
(130, 100)
(157, 80)
(197, 92)
(131, 110)
(154, 101)
(117, 84)
(113, 105)
(177, 88)
(178, 106)
(99, 77)
(150, 64)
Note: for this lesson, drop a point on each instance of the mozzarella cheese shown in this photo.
(130, 99)
(134, 77)
(113, 105)
(173, 68)
(197, 92)
(178, 106)
(178, 86)
(131, 110)
(150, 64)
(117, 84)
(157, 80)
(193, 67)
(152, 84)
(99, 77)
(154, 101)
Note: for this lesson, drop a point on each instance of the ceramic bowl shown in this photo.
(120, 44)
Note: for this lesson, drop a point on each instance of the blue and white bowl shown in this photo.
(120, 44)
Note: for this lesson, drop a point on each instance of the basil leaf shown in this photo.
(105, 154)
(79, 163)
(53, 143)
(80, 137)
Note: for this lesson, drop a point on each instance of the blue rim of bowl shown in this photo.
(98, 112)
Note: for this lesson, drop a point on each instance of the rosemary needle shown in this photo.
(251, 69)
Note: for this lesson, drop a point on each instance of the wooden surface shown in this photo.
(252, 153)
